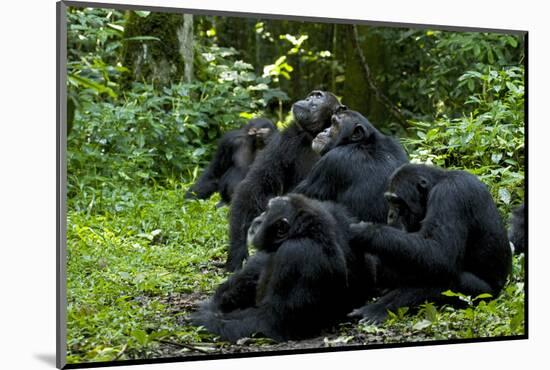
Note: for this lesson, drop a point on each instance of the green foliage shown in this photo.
(423, 80)
(488, 142)
(127, 270)
(481, 318)
(123, 265)
(93, 40)
(150, 134)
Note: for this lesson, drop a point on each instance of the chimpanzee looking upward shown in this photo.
(236, 151)
(285, 162)
(295, 285)
(444, 233)
(357, 161)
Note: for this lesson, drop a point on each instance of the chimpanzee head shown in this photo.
(287, 217)
(347, 127)
(314, 112)
(261, 130)
(407, 196)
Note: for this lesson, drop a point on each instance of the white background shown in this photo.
(27, 193)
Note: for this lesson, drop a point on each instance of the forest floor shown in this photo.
(139, 262)
(348, 334)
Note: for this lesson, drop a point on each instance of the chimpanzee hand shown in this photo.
(361, 234)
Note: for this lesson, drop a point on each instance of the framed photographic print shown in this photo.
(236, 184)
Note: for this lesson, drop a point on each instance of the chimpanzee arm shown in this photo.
(415, 252)
(328, 177)
(435, 250)
(239, 290)
(263, 181)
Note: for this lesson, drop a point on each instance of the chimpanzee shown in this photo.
(444, 232)
(357, 161)
(285, 162)
(298, 281)
(517, 229)
(236, 151)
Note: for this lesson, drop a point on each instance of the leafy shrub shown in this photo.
(489, 141)
(423, 79)
(94, 37)
(148, 135)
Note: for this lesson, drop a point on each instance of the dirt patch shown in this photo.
(343, 335)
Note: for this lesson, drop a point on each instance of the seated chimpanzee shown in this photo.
(517, 229)
(444, 232)
(298, 281)
(357, 161)
(236, 151)
(285, 162)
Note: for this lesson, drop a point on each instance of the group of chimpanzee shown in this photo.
(338, 217)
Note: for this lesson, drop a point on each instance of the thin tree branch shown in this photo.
(183, 345)
(394, 110)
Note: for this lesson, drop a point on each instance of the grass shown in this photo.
(138, 261)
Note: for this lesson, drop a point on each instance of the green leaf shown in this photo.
(504, 195)
(77, 80)
(430, 312)
(142, 38)
(116, 27)
(198, 152)
(490, 56)
(421, 325)
(140, 336)
(142, 13)
(483, 296)
(496, 157)
(124, 176)
(450, 293)
(471, 85)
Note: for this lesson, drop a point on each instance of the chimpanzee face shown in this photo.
(260, 130)
(400, 215)
(407, 196)
(347, 127)
(260, 135)
(270, 229)
(314, 112)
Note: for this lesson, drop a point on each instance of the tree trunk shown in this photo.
(155, 61)
(185, 36)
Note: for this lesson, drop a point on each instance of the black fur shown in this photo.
(517, 229)
(444, 233)
(236, 151)
(357, 161)
(296, 284)
(285, 162)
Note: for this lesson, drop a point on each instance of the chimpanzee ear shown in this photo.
(359, 133)
(391, 197)
(423, 183)
(283, 226)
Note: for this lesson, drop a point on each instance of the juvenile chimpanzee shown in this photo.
(297, 282)
(285, 162)
(444, 232)
(236, 151)
(517, 229)
(357, 161)
(239, 291)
